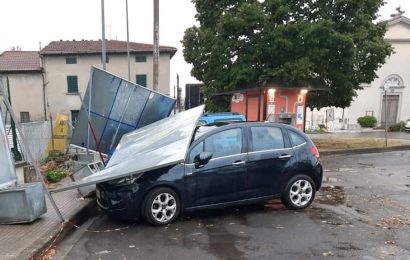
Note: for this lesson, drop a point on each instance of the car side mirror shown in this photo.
(202, 159)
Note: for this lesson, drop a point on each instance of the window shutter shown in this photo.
(72, 84)
(142, 80)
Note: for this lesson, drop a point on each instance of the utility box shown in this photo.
(85, 165)
(22, 203)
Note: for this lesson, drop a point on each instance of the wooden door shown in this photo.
(252, 108)
(392, 109)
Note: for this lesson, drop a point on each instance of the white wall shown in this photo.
(26, 90)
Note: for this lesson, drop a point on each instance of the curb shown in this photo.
(366, 150)
(63, 231)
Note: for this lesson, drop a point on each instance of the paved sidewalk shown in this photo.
(21, 241)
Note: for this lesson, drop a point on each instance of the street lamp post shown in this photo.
(128, 42)
(386, 87)
(156, 44)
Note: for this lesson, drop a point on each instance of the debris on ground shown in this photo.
(392, 222)
(390, 242)
(331, 195)
(328, 253)
(56, 168)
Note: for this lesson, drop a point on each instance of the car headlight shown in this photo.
(123, 181)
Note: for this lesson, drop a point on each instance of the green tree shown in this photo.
(331, 44)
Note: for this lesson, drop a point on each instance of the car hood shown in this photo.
(154, 146)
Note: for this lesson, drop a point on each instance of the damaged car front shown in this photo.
(123, 198)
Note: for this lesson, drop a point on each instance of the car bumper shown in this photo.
(318, 175)
(120, 203)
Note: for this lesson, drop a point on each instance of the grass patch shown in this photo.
(356, 143)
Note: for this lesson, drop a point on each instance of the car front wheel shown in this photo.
(299, 193)
(161, 206)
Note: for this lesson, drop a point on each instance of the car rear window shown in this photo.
(296, 138)
(266, 138)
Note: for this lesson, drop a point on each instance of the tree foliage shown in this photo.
(331, 44)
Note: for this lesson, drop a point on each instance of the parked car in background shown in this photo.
(207, 119)
(407, 126)
(226, 165)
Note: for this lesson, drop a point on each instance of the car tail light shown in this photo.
(315, 151)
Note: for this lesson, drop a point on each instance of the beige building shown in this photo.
(67, 69)
(394, 74)
(24, 73)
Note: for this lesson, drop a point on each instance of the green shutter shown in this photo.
(72, 84)
(142, 80)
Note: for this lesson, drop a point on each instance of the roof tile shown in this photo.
(85, 46)
(20, 61)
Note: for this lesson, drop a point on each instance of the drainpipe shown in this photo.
(43, 77)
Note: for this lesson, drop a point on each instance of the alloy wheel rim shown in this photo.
(301, 193)
(163, 207)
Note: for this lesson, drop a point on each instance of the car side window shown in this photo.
(266, 138)
(295, 138)
(225, 143)
(199, 148)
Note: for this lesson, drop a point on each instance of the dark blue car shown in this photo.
(226, 165)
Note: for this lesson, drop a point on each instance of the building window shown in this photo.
(72, 84)
(142, 80)
(71, 60)
(140, 58)
(74, 117)
(24, 117)
(369, 113)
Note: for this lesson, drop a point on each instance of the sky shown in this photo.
(26, 23)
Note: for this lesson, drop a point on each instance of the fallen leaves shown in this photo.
(328, 253)
(392, 222)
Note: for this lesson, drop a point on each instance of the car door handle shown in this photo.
(238, 163)
(285, 156)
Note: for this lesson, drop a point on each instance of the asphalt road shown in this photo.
(362, 212)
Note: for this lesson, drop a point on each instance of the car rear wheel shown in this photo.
(161, 206)
(299, 193)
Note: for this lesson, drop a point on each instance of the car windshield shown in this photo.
(201, 130)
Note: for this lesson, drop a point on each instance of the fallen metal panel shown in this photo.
(154, 146)
(7, 170)
(118, 106)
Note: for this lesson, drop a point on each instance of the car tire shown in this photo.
(299, 192)
(161, 206)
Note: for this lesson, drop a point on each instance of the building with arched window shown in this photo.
(394, 76)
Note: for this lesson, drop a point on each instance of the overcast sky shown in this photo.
(25, 23)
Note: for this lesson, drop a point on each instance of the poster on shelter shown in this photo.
(299, 115)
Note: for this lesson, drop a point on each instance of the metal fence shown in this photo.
(38, 135)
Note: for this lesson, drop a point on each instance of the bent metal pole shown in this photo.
(31, 158)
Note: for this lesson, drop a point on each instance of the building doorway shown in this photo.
(392, 109)
(252, 108)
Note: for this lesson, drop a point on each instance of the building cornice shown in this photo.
(398, 40)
